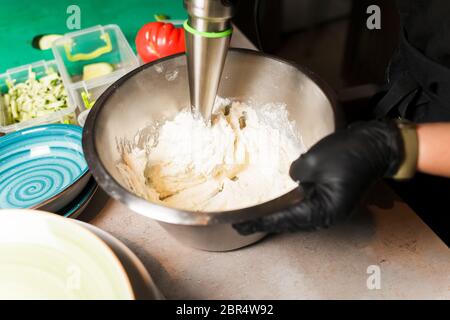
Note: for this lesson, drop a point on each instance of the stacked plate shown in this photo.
(44, 168)
(45, 256)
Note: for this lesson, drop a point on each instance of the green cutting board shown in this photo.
(21, 20)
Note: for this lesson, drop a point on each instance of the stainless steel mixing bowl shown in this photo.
(157, 91)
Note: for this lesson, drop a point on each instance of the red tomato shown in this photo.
(157, 40)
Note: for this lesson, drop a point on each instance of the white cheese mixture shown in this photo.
(241, 160)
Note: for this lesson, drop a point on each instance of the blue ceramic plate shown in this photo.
(76, 207)
(39, 164)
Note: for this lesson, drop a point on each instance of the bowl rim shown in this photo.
(133, 266)
(70, 186)
(185, 217)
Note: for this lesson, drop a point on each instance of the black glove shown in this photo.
(334, 174)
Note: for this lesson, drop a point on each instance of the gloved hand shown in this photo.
(334, 174)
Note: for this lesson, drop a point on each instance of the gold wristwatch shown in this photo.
(408, 166)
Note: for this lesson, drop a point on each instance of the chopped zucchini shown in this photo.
(94, 70)
(34, 98)
(44, 41)
(86, 97)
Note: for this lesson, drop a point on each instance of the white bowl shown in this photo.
(44, 256)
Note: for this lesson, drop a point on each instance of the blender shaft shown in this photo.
(208, 34)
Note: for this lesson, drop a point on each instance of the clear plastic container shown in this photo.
(19, 75)
(82, 117)
(75, 50)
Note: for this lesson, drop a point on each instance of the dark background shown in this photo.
(330, 37)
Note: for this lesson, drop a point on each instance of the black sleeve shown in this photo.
(418, 77)
(426, 24)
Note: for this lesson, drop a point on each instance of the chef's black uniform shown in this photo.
(419, 73)
(418, 88)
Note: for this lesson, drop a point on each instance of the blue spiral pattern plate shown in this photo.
(38, 163)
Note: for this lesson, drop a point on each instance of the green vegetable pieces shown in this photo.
(34, 98)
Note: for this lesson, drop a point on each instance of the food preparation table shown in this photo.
(332, 263)
(328, 264)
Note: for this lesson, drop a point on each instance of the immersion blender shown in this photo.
(208, 32)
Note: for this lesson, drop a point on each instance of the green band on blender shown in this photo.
(221, 34)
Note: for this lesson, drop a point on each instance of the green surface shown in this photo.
(21, 20)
